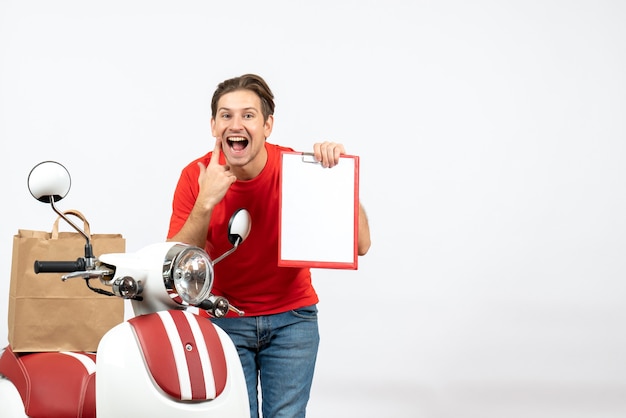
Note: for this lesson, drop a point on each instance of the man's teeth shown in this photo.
(237, 143)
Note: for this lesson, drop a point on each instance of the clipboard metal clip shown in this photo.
(309, 157)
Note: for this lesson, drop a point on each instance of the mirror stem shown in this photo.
(227, 253)
(89, 258)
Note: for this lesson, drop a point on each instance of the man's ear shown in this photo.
(213, 126)
(269, 124)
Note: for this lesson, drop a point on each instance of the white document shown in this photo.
(319, 212)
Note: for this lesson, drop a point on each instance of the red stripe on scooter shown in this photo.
(157, 352)
(194, 365)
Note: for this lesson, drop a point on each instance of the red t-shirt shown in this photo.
(250, 277)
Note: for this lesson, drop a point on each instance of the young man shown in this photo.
(278, 337)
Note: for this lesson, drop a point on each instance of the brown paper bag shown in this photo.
(48, 314)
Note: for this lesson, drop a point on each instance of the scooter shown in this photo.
(165, 361)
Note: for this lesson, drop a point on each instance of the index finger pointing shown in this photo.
(215, 157)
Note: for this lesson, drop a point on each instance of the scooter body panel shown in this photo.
(11, 401)
(125, 386)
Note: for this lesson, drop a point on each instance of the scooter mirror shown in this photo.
(49, 181)
(239, 226)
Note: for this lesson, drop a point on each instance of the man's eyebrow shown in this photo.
(244, 109)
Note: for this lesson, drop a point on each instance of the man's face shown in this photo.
(239, 123)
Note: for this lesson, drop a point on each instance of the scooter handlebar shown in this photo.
(59, 266)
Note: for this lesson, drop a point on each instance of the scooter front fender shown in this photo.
(126, 387)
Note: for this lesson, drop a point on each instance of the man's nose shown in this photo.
(236, 122)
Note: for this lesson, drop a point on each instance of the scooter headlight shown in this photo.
(188, 274)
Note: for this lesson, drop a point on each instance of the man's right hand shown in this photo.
(214, 179)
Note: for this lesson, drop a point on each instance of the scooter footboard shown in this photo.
(168, 364)
(52, 384)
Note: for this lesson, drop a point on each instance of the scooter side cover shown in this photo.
(193, 366)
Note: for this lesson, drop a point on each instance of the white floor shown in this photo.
(506, 400)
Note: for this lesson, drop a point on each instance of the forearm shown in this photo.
(194, 231)
(364, 241)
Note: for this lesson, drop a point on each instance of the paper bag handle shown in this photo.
(79, 215)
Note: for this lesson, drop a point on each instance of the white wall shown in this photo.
(492, 144)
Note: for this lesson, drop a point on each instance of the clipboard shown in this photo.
(319, 209)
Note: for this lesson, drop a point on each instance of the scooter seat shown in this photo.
(53, 384)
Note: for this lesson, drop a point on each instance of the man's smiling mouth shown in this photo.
(237, 143)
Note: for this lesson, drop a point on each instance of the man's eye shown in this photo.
(248, 116)
(225, 116)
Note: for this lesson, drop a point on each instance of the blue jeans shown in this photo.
(279, 352)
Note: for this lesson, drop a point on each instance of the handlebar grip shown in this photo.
(59, 266)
